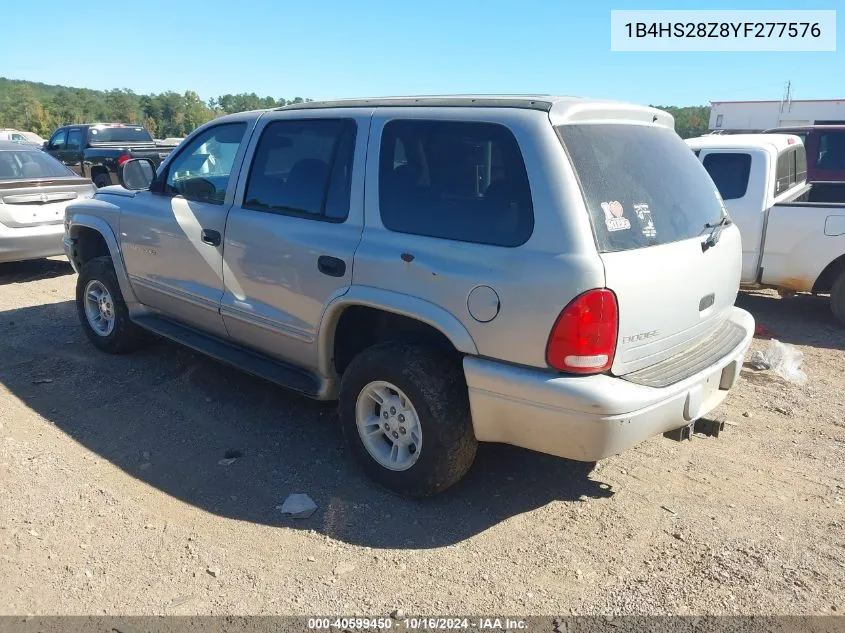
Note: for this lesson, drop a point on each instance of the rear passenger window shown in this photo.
(456, 181)
(730, 172)
(303, 168)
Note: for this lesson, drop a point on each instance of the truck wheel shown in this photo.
(103, 312)
(405, 413)
(102, 180)
(837, 298)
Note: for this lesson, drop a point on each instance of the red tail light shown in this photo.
(122, 159)
(583, 339)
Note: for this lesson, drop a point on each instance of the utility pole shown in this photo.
(786, 101)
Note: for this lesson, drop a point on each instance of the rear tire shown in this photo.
(102, 310)
(837, 298)
(431, 389)
(102, 180)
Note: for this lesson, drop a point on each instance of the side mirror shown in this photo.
(136, 174)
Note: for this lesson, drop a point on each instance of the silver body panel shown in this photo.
(261, 288)
(32, 216)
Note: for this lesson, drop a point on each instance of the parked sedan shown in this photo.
(35, 188)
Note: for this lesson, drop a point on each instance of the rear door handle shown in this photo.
(331, 266)
(210, 237)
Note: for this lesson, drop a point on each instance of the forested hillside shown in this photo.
(41, 108)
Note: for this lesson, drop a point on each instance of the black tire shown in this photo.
(837, 298)
(102, 180)
(436, 387)
(125, 336)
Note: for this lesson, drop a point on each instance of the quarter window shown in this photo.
(730, 172)
(454, 180)
(303, 168)
(202, 170)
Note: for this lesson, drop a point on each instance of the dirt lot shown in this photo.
(112, 499)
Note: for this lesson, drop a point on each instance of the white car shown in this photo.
(793, 232)
(35, 188)
(17, 136)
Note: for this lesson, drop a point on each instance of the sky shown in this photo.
(323, 49)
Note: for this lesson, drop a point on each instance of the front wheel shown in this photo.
(405, 413)
(102, 310)
(837, 298)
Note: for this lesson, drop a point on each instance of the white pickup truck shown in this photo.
(793, 232)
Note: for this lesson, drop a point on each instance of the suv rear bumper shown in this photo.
(591, 417)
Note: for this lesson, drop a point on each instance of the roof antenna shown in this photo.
(654, 119)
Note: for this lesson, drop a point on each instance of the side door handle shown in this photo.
(331, 266)
(210, 237)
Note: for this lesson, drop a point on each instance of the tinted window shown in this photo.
(791, 169)
(454, 180)
(201, 171)
(831, 150)
(27, 164)
(58, 140)
(801, 165)
(119, 135)
(303, 168)
(74, 139)
(730, 172)
(641, 184)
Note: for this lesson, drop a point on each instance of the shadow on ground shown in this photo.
(799, 320)
(167, 417)
(22, 272)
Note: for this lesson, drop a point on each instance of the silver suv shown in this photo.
(554, 273)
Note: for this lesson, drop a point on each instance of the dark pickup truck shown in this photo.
(96, 150)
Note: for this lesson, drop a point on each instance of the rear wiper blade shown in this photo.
(715, 232)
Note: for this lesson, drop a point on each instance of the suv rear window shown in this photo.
(463, 181)
(642, 184)
(730, 171)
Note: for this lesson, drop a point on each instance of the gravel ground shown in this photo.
(113, 500)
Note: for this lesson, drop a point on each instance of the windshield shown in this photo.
(119, 135)
(26, 164)
(642, 185)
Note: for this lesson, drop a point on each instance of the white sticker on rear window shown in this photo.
(644, 216)
(613, 216)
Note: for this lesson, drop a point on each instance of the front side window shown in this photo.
(831, 150)
(642, 185)
(730, 172)
(20, 138)
(303, 168)
(462, 181)
(202, 170)
(58, 140)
